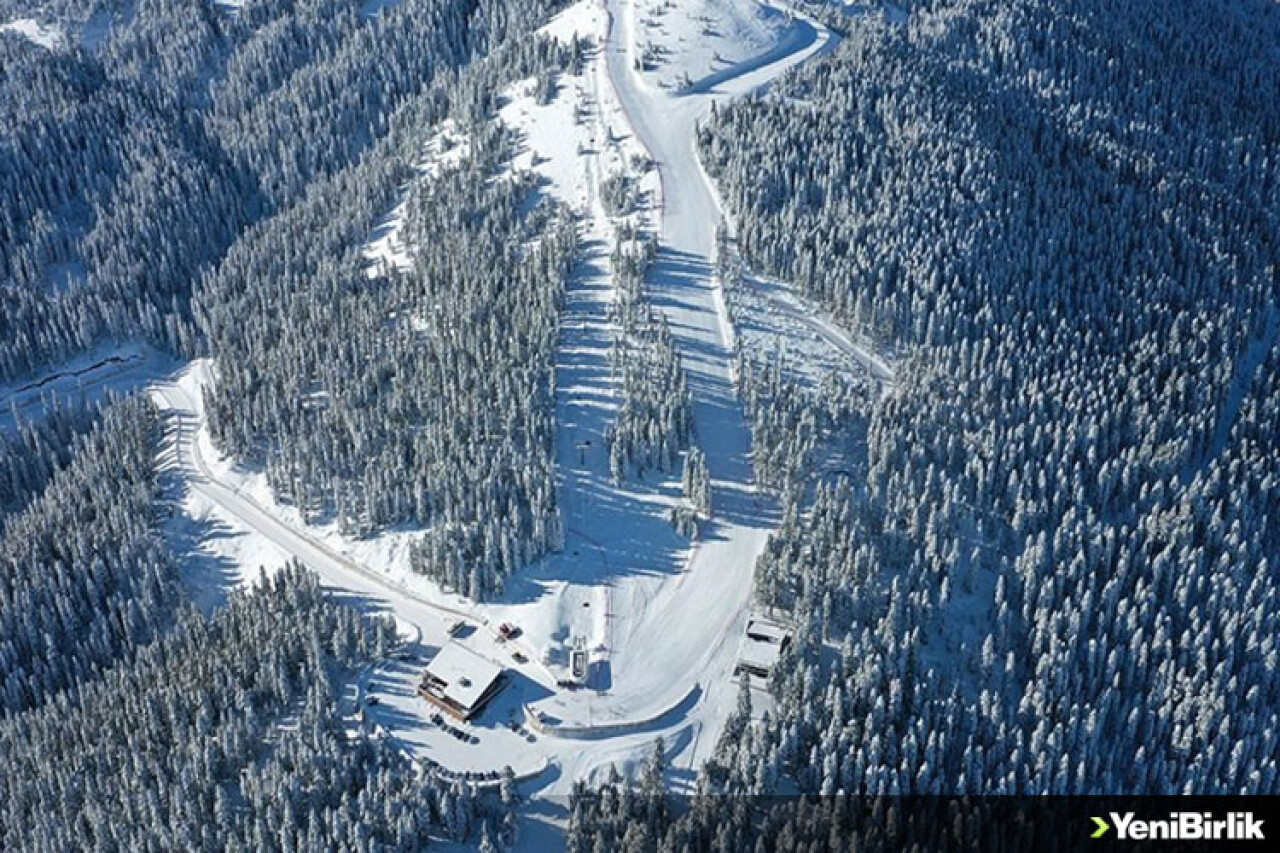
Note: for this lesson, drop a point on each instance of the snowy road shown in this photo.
(183, 453)
(88, 378)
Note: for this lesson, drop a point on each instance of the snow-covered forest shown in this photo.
(139, 157)
(36, 451)
(1023, 530)
(417, 396)
(1048, 562)
(804, 420)
(1056, 568)
(655, 422)
(203, 740)
(129, 718)
(86, 579)
(160, 178)
(237, 233)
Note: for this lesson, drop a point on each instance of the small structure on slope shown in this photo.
(762, 645)
(579, 661)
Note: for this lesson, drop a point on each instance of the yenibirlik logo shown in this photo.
(1182, 826)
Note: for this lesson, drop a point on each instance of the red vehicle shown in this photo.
(508, 631)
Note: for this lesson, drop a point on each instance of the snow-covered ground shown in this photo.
(386, 248)
(771, 317)
(48, 36)
(89, 377)
(686, 623)
(620, 548)
(678, 45)
(373, 8)
(662, 617)
(104, 23)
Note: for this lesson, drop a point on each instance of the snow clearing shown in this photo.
(677, 46)
(48, 36)
(386, 248)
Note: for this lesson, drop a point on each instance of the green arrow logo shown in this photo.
(1102, 825)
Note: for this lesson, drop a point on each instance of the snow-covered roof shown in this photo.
(759, 655)
(765, 631)
(464, 674)
(762, 644)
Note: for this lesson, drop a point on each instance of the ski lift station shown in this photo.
(461, 682)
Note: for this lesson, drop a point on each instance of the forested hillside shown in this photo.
(34, 452)
(224, 735)
(135, 164)
(803, 419)
(129, 719)
(204, 177)
(1061, 573)
(109, 203)
(84, 576)
(1039, 553)
(299, 124)
(418, 395)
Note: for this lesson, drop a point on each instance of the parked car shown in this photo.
(508, 631)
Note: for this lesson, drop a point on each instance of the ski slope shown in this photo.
(663, 617)
(667, 610)
(683, 628)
